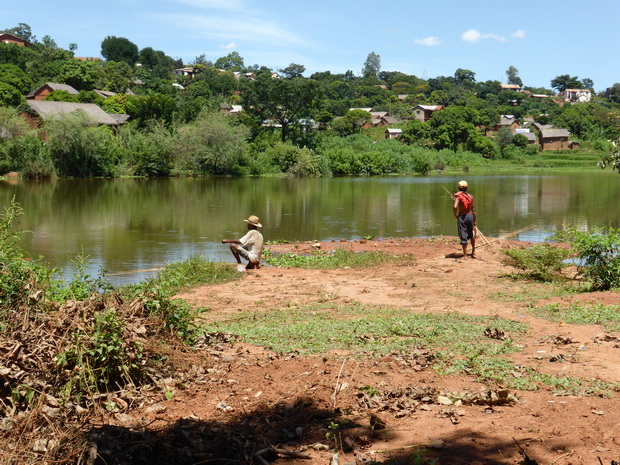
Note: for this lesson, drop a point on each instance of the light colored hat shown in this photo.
(462, 183)
(253, 220)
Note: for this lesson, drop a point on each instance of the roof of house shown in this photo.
(54, 86)
(49, 110)
(577, 90)
(390, 119)
(507, 120)
(554, 132)
(5, 36)
(394, 130)
(105, 93)
(379, 114)
(510, 86)
(120, 118)
(429, 107)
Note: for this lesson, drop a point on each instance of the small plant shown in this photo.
(420, 457)
(541, 262)
(100, 358)
(333, 434)
(20, 279)
(598, 254)
(370, 391)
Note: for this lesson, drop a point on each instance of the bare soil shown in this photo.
(241, 403)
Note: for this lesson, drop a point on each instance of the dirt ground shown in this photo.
(290, 401)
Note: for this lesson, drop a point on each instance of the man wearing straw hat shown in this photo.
(249, 246)
(465, 212)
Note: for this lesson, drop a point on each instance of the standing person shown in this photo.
(465, 212)
(249, 246)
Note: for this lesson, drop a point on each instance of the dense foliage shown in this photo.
(181, 118)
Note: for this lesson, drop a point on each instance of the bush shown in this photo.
(211, 145)
(146, 152)
(20, 279)
(541, 262)
(80, 148)
(598, 252)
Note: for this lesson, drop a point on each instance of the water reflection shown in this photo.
(137, 224)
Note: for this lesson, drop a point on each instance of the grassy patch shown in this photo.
(195, 270)
(332, 260)
(607, 316)
(365, 330)
(503, 372)
(460, 344)
(541, 262)
(530, 293)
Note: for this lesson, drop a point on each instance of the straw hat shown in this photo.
(253, 220)
(462, 183)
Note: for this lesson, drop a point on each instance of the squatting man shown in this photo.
(250, 246)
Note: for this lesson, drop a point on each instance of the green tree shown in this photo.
(9, 95)
(221, 83)
(613, 93)
(587, 83)
(372, 66)
(118, 103)
(152, 107)
(156, 62)
(23, 31)
(231, 62)
(62, 96)
(565, 81)
(119, 49)
(416, 132)
(351, 123)
(464, 77)
(114, 76)
(80, 75)
(293, 70)
(211, 145)
(79, 147)
(512, 74)
(452, 126)
(14, 76)
(285, 101)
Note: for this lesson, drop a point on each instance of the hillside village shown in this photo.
(43, 83)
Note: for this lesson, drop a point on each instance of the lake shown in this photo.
(128, 225)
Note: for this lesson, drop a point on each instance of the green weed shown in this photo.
(541, 262)
(157, 294)
(607, 316)
(598, 255)
(365, 330)
(99, 356)
(332, 260)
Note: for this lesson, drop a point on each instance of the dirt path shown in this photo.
(247, 385)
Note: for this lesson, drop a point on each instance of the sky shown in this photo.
(541, 38)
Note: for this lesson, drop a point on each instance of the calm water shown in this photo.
(128, 225)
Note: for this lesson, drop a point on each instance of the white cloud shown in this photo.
(474, 35)
(518, 34)
(429, 41)
(229, 46)
(241, 28)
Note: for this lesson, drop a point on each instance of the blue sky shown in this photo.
(542, 38)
